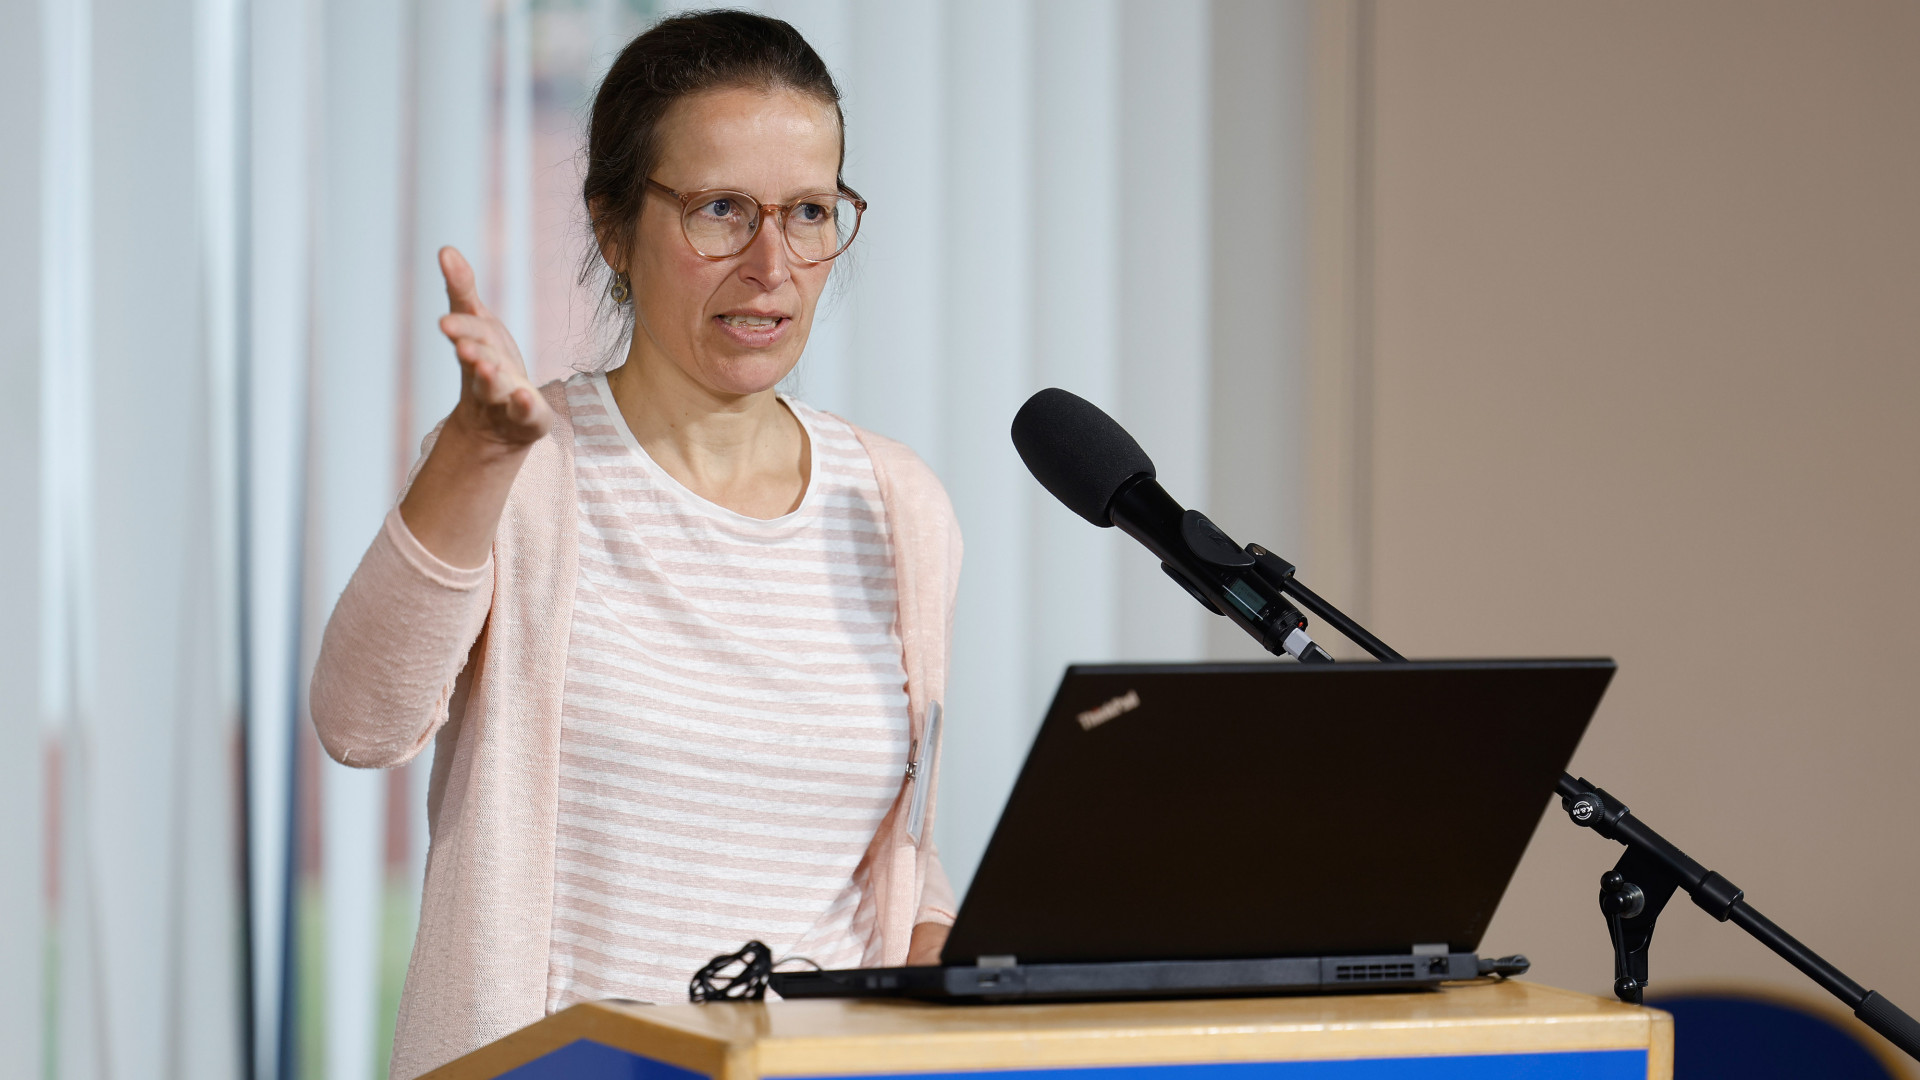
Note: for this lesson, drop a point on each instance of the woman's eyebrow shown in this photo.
(832, 187)
(803, 192)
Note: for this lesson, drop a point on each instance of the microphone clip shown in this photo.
(1249, 584)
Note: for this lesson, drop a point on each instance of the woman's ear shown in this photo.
(607, 237)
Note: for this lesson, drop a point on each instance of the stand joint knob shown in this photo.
(1620, 898)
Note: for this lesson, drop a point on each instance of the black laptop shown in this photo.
(1218, 829)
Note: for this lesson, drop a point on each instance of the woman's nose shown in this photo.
(764, 262)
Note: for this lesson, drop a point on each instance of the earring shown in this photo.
(622, 290)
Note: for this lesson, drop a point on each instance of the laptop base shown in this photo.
(1139, 979)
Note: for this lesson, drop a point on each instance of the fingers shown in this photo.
(462, 297)
(471, 348)
(460, 328)
(478, 338)
(492, 384)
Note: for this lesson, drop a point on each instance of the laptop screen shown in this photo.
(1238, 811)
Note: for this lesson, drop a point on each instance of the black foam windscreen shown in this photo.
(1077, 452)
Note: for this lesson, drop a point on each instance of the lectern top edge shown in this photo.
(825, 1039)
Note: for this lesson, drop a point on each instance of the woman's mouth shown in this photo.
(753, 330)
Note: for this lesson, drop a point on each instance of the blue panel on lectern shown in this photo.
(1576, 1065)
(586, 1060)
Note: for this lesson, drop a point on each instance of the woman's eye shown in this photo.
(719, 208)
(811, 213)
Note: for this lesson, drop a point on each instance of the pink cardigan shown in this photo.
(418, 650)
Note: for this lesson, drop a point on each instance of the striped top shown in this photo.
(734, 725)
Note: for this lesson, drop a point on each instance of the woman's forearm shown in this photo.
(927, 941)
(455, 502)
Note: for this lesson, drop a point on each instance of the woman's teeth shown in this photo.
(751, 322)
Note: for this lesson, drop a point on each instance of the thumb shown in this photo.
(462, 297)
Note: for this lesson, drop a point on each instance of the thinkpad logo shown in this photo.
(1125, 703)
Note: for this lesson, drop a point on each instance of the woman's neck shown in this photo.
(747, 452)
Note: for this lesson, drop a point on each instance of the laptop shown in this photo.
(1185, 830)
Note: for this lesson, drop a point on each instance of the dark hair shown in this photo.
(683, 55)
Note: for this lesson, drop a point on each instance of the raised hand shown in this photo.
(456, 499)
(497, 400)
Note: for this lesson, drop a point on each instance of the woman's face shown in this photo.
(734, 326)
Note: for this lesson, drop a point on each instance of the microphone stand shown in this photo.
(1634, 892)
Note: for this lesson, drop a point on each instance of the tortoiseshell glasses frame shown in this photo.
(692, 201)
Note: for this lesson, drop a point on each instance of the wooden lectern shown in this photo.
(1487, 1031)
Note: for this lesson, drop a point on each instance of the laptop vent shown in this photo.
(1372, 972)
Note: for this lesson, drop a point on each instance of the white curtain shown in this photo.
(217, 294)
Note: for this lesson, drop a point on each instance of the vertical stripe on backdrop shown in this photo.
(76, 1034)
(26, 748)
(154, 758)
(354, 415)
(896, 100)
(1163, 352)
(449, 151)
(207, 974)
(1073, 609)
(283, 41)
(1259, 165)
(988, 372)
(511, 283)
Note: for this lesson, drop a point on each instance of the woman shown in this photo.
(677, 639)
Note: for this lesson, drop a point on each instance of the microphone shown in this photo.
(1090, 463)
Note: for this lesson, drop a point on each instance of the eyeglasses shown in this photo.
(720, 223)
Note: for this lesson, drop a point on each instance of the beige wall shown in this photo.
(1617, 351)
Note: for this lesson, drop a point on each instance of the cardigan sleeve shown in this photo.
(393, 648)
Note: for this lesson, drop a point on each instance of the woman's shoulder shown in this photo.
(556, 391)
(908, 486)
(926, 532)
(907, 483)
(567, 396)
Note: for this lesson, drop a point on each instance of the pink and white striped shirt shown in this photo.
(734, 726)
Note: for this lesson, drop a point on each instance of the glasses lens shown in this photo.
(820, 227)
(721, 223)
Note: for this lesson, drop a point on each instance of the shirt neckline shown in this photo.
(785, 522)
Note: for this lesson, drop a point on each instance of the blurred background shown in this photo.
(1526, 328)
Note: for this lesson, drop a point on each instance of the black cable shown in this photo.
(739, 976)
